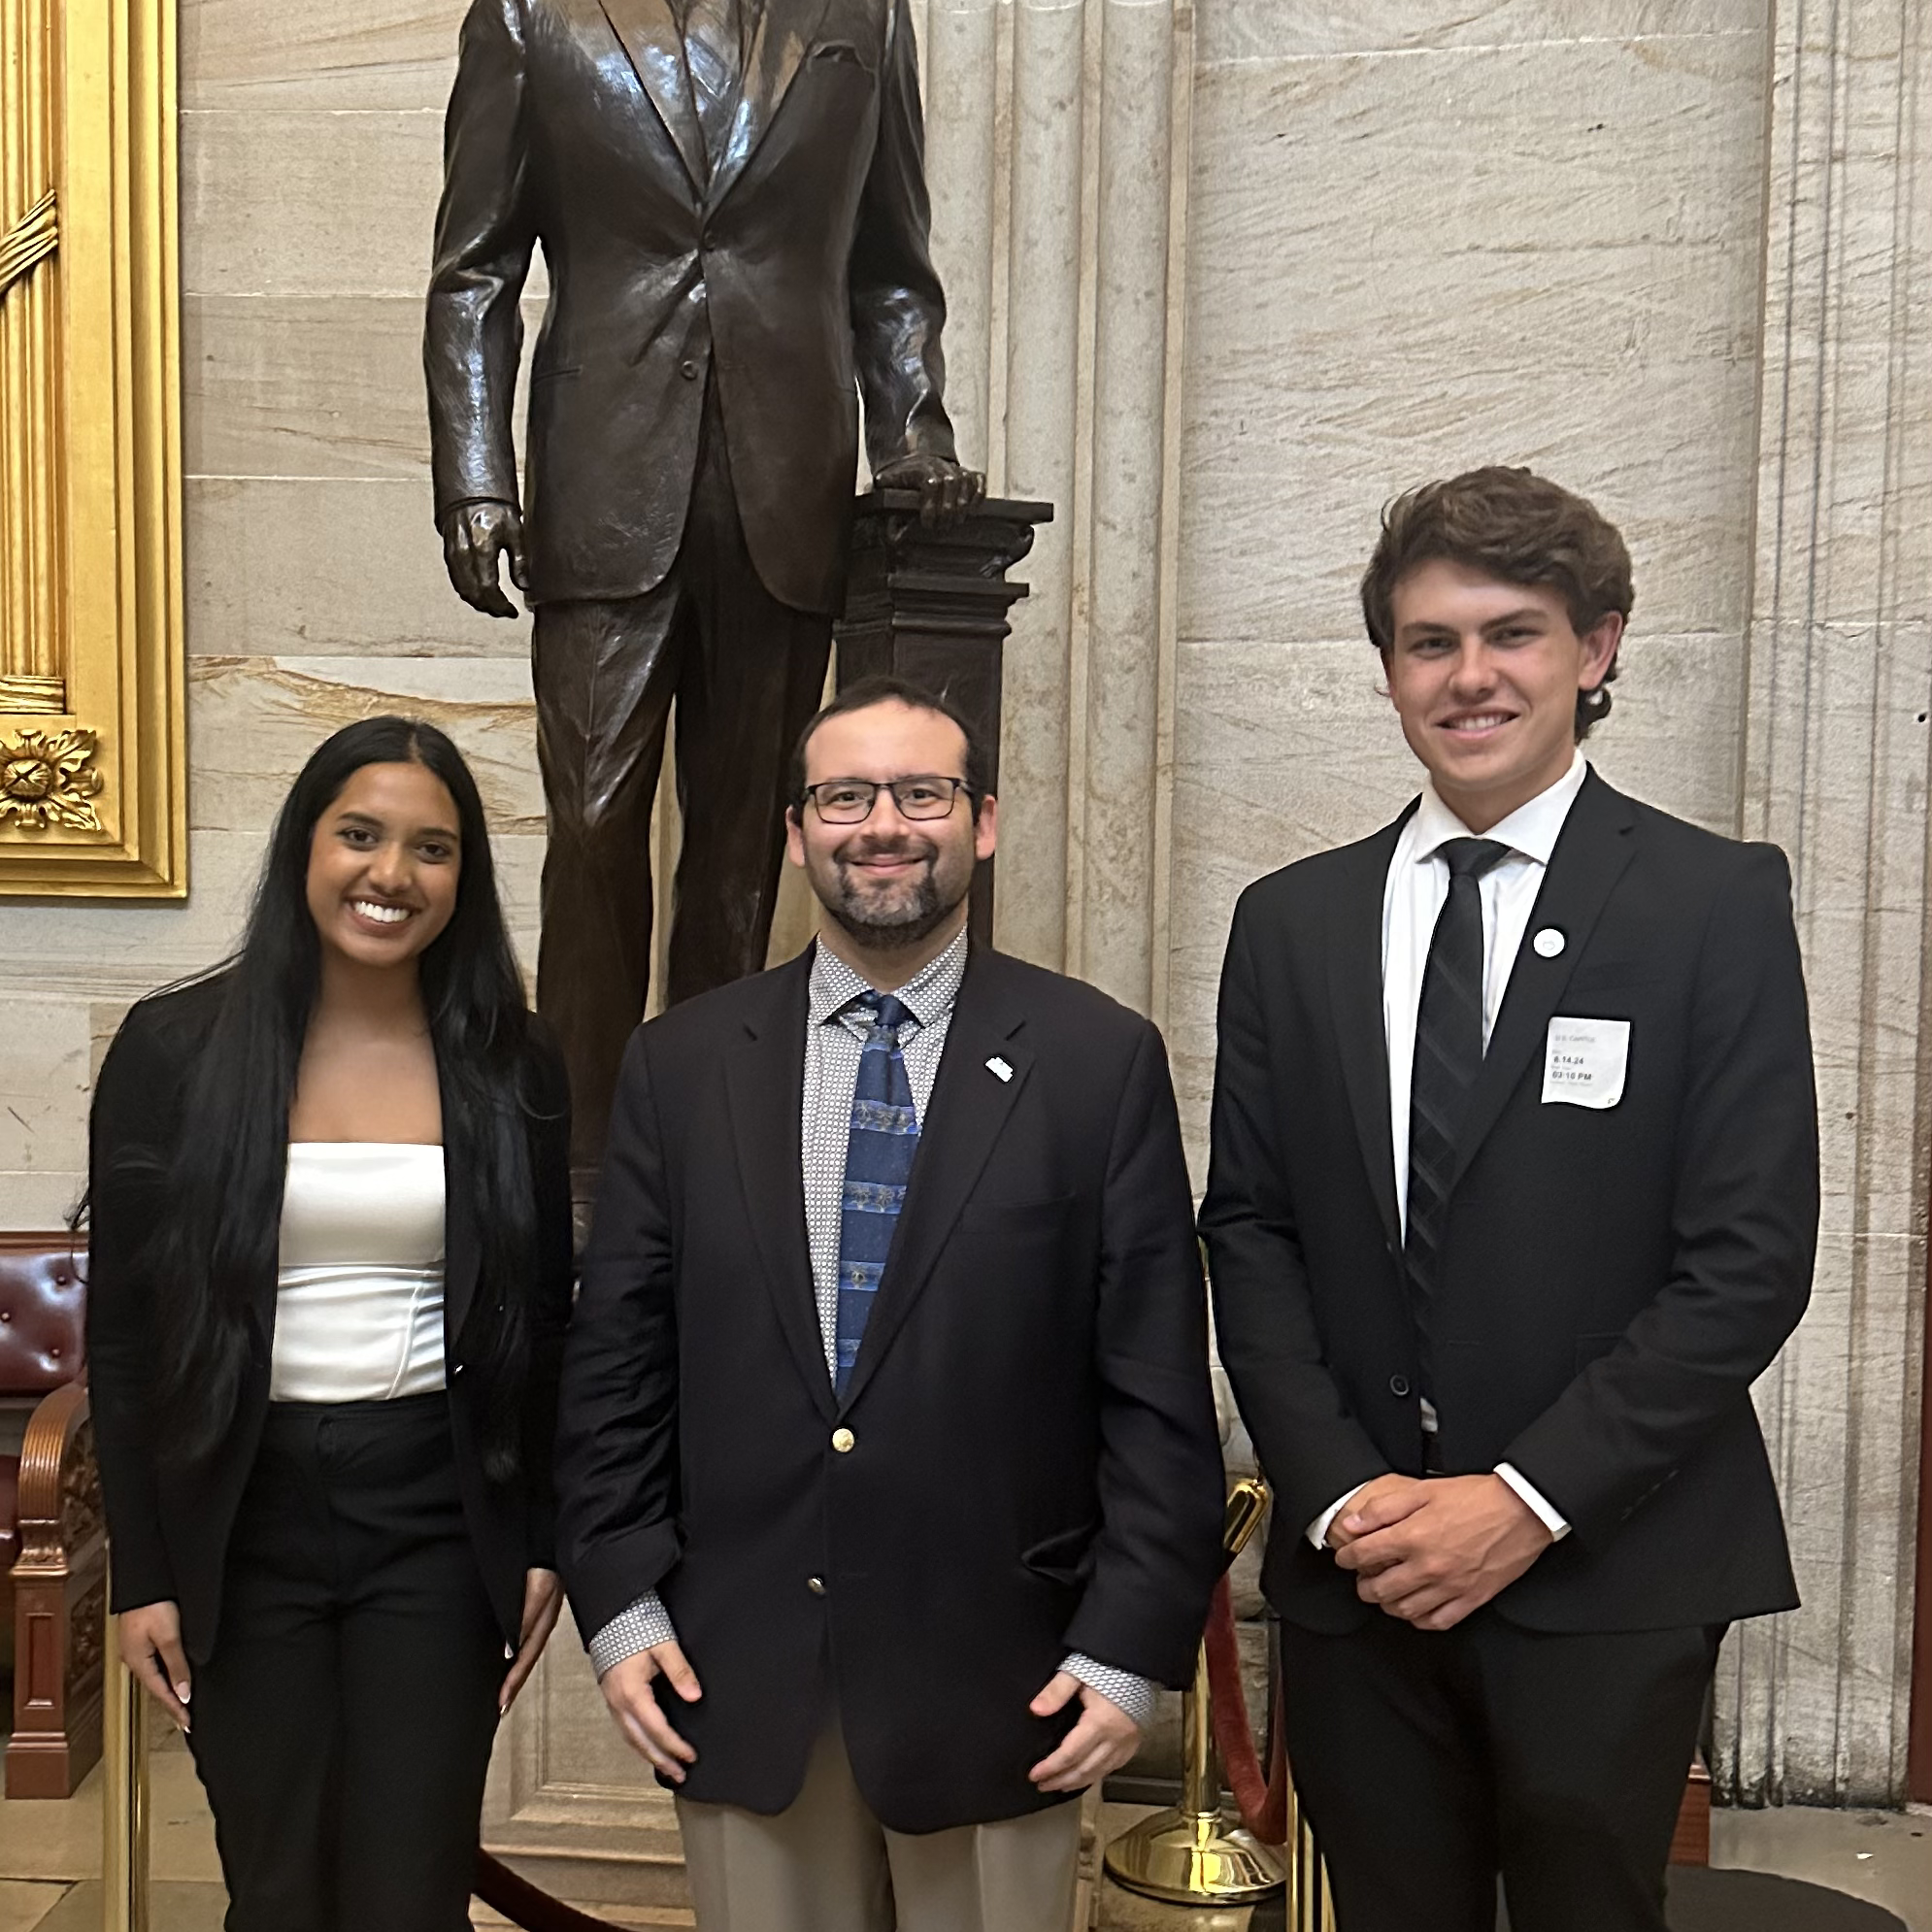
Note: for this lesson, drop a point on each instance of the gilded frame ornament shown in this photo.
(93, 785)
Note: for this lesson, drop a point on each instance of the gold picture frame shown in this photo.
(93, 784)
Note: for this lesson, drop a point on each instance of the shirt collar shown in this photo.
(1531, 829)
(928, 995)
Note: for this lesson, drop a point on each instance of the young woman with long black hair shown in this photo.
(330, 1274)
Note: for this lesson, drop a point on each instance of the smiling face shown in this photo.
(1485, 677)
(891, 884)
(383, 863)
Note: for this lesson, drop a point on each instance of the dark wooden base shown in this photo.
(1691, 1845)
(930, 606)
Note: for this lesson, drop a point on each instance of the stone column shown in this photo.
(1045, 376)
(1058, 164)
(1812, 1707)
(958, 54)
(1113, 860)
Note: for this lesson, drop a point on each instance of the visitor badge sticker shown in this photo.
(1584, 1060)
(1548, 943)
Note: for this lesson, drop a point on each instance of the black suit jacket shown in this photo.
(1612, 1280)
(1036, 1465)
(802, 261)
(169, 1523)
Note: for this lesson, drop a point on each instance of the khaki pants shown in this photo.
(825, 1864)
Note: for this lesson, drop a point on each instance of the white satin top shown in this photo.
(358, 1314)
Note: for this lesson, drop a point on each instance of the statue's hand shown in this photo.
(947, 490)
(474, 536)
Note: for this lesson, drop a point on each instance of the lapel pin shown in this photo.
(998, 1066)
(1548, 943)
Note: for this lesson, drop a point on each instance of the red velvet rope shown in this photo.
(1263, 1802)
(524, 1904)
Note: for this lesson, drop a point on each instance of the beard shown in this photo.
(899, 916)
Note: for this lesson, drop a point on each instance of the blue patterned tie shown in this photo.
(879, 1160)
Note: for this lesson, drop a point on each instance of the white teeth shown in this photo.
(1479, 724)
(389, 915)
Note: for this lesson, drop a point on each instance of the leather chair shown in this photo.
(52, 1533)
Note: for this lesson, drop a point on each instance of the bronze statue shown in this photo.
(732, 203)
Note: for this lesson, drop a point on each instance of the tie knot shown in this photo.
(888, 1014)
(1471, 858)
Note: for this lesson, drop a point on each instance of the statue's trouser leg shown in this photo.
(747, 673)
(751, 675)
(604, 674)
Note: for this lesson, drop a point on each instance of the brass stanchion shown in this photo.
(1199, 1854)
(1311, 1905)
(123, 1797)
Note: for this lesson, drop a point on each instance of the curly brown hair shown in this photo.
(1513, 525)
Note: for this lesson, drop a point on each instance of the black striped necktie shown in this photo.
(1448, 1055)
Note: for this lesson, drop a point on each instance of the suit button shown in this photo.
(708, 240)
(1398, 1384)
(815, 1584)
(842, 1440)
(689, 371)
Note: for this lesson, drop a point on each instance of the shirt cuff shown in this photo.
(1317, 1530)
(645, 1625)
(1535, 1501)
(1135, 1695)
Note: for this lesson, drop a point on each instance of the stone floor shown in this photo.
(51, 1862)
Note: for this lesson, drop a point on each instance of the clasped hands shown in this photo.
(1432, 1550)
(1103, 1740)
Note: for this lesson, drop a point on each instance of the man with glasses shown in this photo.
(888, 1439)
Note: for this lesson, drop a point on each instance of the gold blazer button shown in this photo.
(842, 1440)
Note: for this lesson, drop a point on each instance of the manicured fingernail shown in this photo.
(183, 1691)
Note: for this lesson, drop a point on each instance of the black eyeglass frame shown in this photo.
(809, 796)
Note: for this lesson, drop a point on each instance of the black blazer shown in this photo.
(169, 1523)
(800, 265)
(1613, 1280)
(1036, 1465)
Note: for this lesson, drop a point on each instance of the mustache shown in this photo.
(854, 849)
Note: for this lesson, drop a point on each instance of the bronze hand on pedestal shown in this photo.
(947, 490)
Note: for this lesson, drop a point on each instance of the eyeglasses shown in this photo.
(849, 801)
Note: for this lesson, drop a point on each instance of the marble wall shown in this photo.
(1224, 277)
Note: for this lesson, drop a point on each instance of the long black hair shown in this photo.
(216, 1236)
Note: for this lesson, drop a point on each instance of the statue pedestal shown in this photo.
(931, 605)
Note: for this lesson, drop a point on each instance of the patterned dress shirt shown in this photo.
(835, 1030)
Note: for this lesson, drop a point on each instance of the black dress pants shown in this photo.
(342, 1725)
(748, 673)
(1428, 1762)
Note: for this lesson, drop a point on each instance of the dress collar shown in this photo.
(928, 995)
(1531, 829)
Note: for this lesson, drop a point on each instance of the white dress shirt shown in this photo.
(1412, 899)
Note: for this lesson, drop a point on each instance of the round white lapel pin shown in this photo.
(1548, 943)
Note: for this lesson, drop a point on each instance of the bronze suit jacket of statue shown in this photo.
(794, 275)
